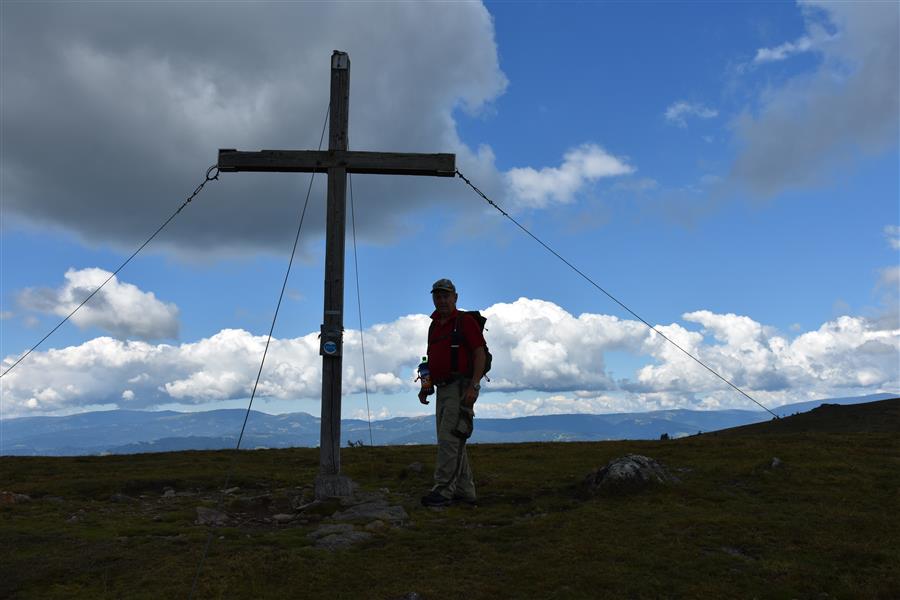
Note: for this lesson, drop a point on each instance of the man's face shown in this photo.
(444, 302)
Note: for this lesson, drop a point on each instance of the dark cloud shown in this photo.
(821, 121)
(111, 112)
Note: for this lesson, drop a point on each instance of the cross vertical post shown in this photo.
(330, 482)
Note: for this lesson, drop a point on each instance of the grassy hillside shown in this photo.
(881, 416)
(822, 524)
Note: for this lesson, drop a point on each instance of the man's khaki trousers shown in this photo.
(447, 481)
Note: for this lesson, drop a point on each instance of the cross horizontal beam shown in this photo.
(319, 161)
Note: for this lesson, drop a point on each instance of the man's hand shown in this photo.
(423, 397)
(470, 397)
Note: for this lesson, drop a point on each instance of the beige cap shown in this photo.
(443, 284)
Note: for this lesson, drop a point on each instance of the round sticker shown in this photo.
(329, 347)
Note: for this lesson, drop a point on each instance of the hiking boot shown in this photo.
(434, 498)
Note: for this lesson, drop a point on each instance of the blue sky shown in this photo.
(729, 171)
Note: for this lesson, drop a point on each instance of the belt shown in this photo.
(449, 380)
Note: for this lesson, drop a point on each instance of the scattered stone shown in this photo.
(168, 492)
(371, 511)
(376, 525)
(156, 518)
(415, 467)
(334, 537)
(13, 498)
(339, 542)
(628, 473)
(308, 505)
(736, 552)
(54, 499)
(776, 462)
(283, 518)
(362, 497)
(122, 498)
(208, 516)
(231, 490)
(324, 530)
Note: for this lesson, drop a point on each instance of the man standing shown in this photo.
(456, 358)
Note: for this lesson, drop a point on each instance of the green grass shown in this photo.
(826, 522)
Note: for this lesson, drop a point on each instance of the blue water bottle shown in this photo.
(425, 377)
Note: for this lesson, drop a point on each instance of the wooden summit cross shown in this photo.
(337, 161)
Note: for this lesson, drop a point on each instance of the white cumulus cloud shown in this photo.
(537, 345)
(892, 233)
(778, 53)
(847, 353)
(678, 112)
(533, 188)
(120, 308)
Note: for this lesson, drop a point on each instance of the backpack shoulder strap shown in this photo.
(455, 338)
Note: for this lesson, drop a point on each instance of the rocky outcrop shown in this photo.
(372, 511)
(13, 498)
(208, 516)
(336, 537)
(628, 473)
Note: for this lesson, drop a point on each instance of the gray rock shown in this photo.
(630, 472)
(339, 541)
(300, 507)
(77, 517)
(208, 516)
(335, 537)
(283, 518)
(776, 462)
(231, 490)
(122, 498)
(325, 530)
(373, 511)
(375, 526)
(362, 497)
(415, 467)
(169, 492)
(13, 498)
(736, 552)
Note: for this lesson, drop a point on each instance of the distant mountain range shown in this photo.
(129, 432)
